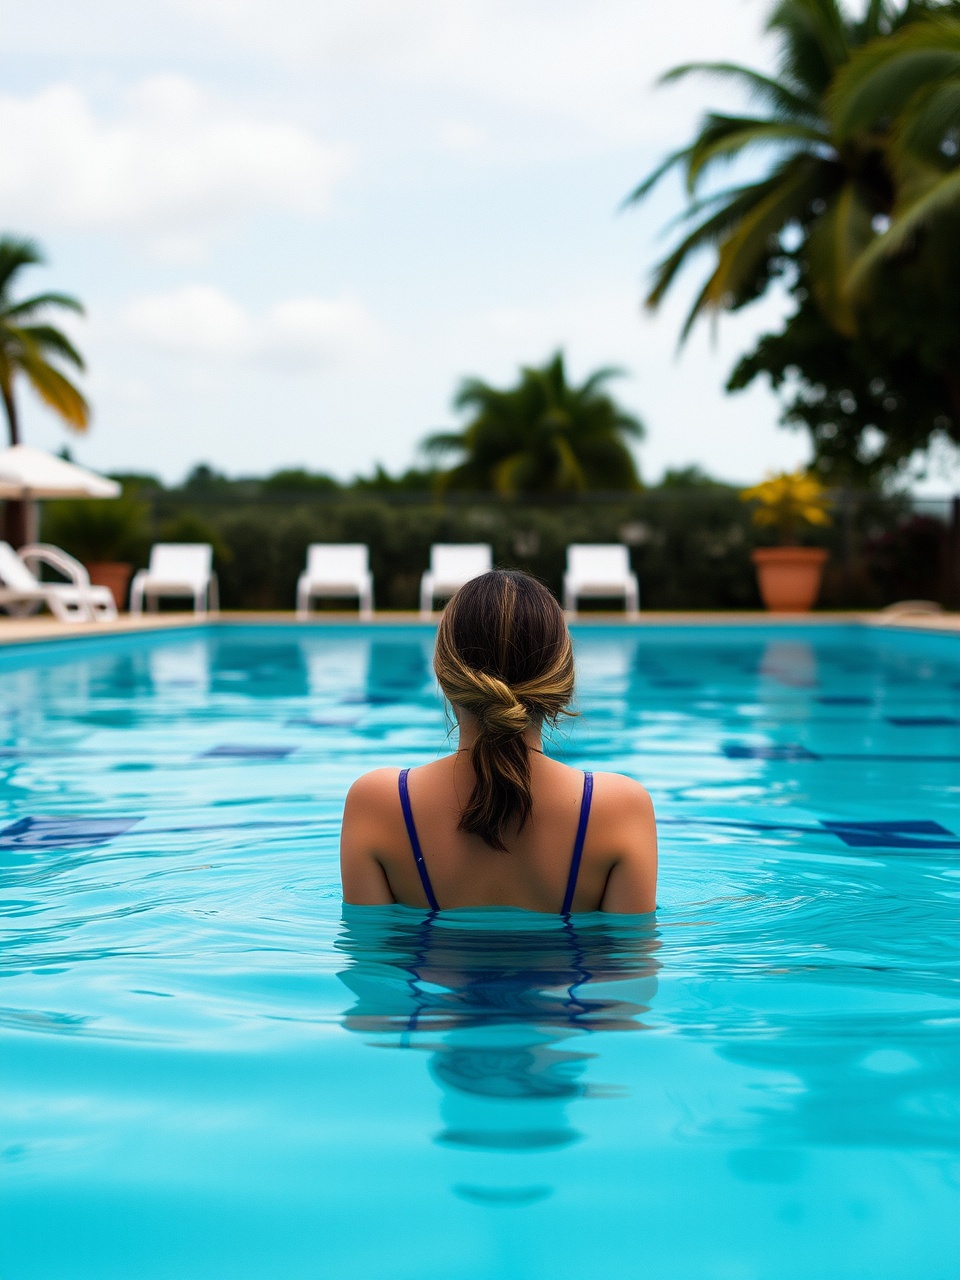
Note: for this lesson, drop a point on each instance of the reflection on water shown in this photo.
(257, 669)
(791, 663)
(505, 1005)
(396, 671)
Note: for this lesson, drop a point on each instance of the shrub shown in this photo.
(690, 543)
(98, 530)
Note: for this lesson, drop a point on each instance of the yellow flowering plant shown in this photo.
(787, 502)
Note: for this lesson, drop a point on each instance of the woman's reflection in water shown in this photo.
(505, 1003)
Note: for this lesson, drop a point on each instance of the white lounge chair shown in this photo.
(451, 565)
(600, 570)
(22, 592)
(336, 569)
(177, 569)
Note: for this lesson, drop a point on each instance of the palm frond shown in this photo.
(833, 246)
(876, 20)
(928, 119)
(814, 42)
(651, 180)
(23, 308)
(506, 474)
(598, 378)
(474, 391)
(942, 197)
(51, 341)
(16, 252)
(570, 472)
(54, 389)
(741, 202)
(441, 443)
(725, 137)
(779, 96)
(749, 245)
(881, 77)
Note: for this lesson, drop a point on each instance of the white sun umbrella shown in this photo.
(28, 474)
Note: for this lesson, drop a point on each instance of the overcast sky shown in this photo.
(297, 224)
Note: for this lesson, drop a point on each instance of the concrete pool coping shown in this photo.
(35, 630)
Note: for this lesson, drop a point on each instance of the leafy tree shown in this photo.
(297, 480)
(28, 344)
(413, 480)
(188, 526)
(859, 209)
(542, 435)
(204, 482)
(872, 400)
(690, 477)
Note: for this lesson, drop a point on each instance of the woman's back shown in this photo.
(498, 823)
(617, 870)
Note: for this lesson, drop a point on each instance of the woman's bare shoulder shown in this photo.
(625, 831)
(382, 784)
(614, 790)
(622, 809)
(373, 802)
(373, 785)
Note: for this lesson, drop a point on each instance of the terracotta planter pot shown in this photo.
(116, 576)
(789, 577)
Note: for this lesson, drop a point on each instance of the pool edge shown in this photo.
(30, 631)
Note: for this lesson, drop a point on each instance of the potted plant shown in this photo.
(789, 575)
(107, 536)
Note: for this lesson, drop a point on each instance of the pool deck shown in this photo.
(29, 630)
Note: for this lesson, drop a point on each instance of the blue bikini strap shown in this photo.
(415, 841)
(578, 844)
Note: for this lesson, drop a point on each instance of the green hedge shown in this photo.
(690, 545)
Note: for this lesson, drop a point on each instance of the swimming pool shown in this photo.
(208, 1070)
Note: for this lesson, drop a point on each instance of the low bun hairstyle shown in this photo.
(503, 654)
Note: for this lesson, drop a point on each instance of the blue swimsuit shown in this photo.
(574, 861)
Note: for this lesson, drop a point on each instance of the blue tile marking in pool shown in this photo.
(892, 757)
(237, 751)
(776, 751)
(373, 699)
(909, 834)
(64, 833)
(923, 722)
(898, 834)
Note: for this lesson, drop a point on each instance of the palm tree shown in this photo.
(844, 169)
(541, 436)
(904, 92)
(28, 342)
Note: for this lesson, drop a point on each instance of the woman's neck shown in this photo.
(469, 730)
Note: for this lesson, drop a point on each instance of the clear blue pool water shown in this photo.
(208, 1070)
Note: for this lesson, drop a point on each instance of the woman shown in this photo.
(498, 823)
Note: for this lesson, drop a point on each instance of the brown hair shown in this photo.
(504, 654)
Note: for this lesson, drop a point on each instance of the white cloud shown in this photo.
(591, 65)
(175, 166)
(204, 324)
(461, 138)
